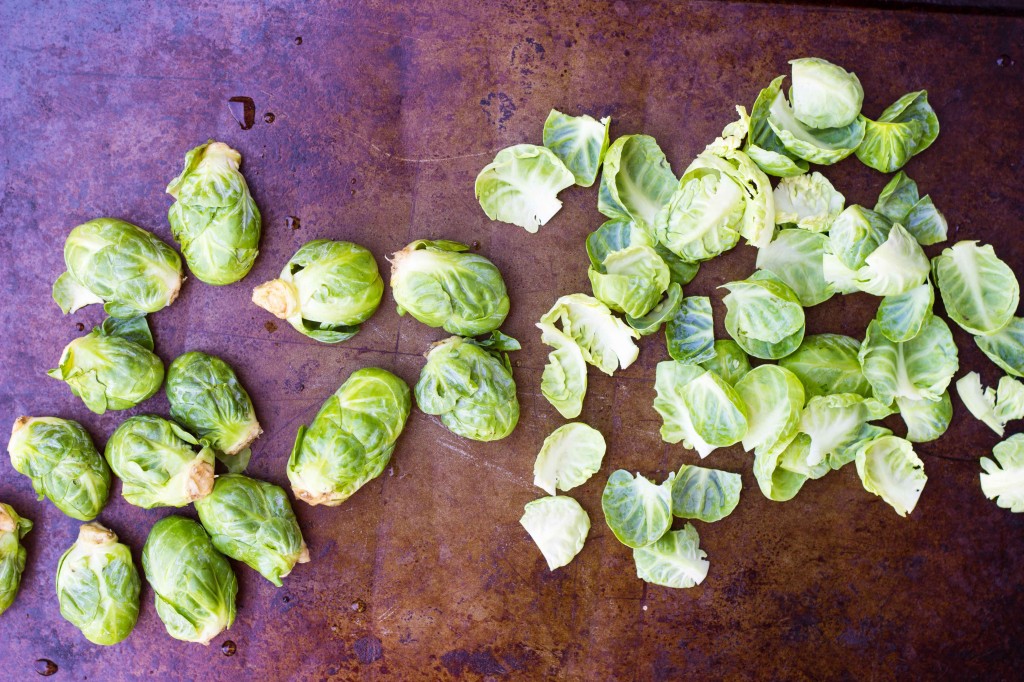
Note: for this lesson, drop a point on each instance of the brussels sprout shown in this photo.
(470, 386)
(823, 146)
(214, 217)
(605, 341)
(124, 267)
(158, 463)
(705, 494)
(1006, 347)
(615, 235)
(809, 202)
(776, 473)
(559, 526)
(630, 281)
(764, 316)
(690, 333)
(730, 362)
(564, 381)
(897, 266)
(660, 314)
(325, 291)
(113, 367)
(825, 95)
(674, 560)
(12, 553)
(889, 468)
(827, 364)
(1009, 399)
(920, 368)
(926, 420)
(900, 203)
(59, 457)
(98, 586)
(837, 424)
(856, 233)
(206, 396)
(1001, 478)
(906, 128)
(763, 146)
(579, 141)
(637, 181)
(774, 398)
(252, 521)
(993, 407)
(521, 186)
(351, 439)
(698, 408)
(980, 291)
(194, 584)
(637, 511)
(568, 458)
(442, 285)
(901, 317)
(795, 257)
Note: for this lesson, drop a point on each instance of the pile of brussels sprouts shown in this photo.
(811, 410)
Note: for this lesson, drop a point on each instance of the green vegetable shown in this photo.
(855, 234)
(774, 401)
(920, 368)
(568, 458)
(113, 367)
(823, 146)
(194, 584)
(901, 317)
(825, 95)
(603, 339)
(564, 381)
(559, 526)
(730, 362)
(579, 141)
(637, 511)
(809, 202)
(980, 291)
(776, 473)
(59, 457)
(521, 186)
(795, 257)
(690, 333)
(926, 420)
(12, 553)
(763, 146)
(897, 266)
(326, 291)
(674, 560)
(159, 463)
(206, 396)
(705, 494)
(764, 316)
(252, 521)
(636, 182)
(124, 267)
(827, 364)
(214, 217)
(889, 468)
(900, 203)
(994, 407)
(660, 314)
(441, 284)
(1002, 480)
(351, 439)
(631, 280)
(98, 586)
(837, 424)
(906, 128)
(1006, 347)
(615, 235)
(469, 385)
(698, 407)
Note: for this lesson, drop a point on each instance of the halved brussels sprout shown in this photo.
(59, 457)
(118, 264)
(351, 439)
(823, 146)
(827, 364)
(906, 128)
(638, 511)
(764, 316)
(214, 217)
(1006, 347)
(690, 333)
(705, 494)
(776, 472)
(980, 291)
(521, 186)
(564, 381)
(660, 314)
(12, 553)
(194, 584)
(901, 317)
(674, 560)
(809, 202)
(920, 368)
(889, 468)
(559, 526)
(252, 521)
(824, 94)
(206, 396)
(98, 586)
(469, 384)
(636, 181)
(325, 291)
(774, 401)
(631, 280)
(837, 424)
(605, 341)
(579, 141)
(158, 463)
(698, 407)
(763, 146)
(795, 257)
(926, 420)
(441, 284)
(730, 362)
(113, 367)
(568, 458)
(1001, 478)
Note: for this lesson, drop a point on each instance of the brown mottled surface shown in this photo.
(383, 117)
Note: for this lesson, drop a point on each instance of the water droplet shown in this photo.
(298, 40)
(243, 110)
(358, 606)
(80, 327)
(517, 363)
(46, 667)
(293, 222)
(271, 327)
(269, 117)
(228, 648)
(1004, 60)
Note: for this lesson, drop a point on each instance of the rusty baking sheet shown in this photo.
(370, 122)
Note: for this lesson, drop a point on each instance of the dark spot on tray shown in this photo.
(45, 667)
(368, 649)
(505, 105)
(270, 327)
(479, 662)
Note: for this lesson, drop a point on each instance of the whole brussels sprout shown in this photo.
(116, 263)
(194, 584)
(351, 439)
(469, 384)
(325, 291)
(206, 396)
(12, 553)
(214, 218)
(113, 367)
(59, 457)
(98, 586)
(442, 285)
(252, 521)
(157, 463)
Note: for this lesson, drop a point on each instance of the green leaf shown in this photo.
(637, 511)
(827, 364)
(633, 280)
(521, 186)
(795, 257)
(579, 141)
(1002, 479)
(824, 94)
(809, 202)
(605, 341)
(774, 400)
(564, 381)
(690, 333)
(920, 368)
(901, 317)
(665, 310)
(729, 362)
(979, 291)
(559, 526)
(836, 424)
(763, 146)
(1006, 347)
(674, 560)
(568, 458)
(764, 316)
(822, 146)
(637, 180)
(705, 494)
(926, 420)
(889, 468)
